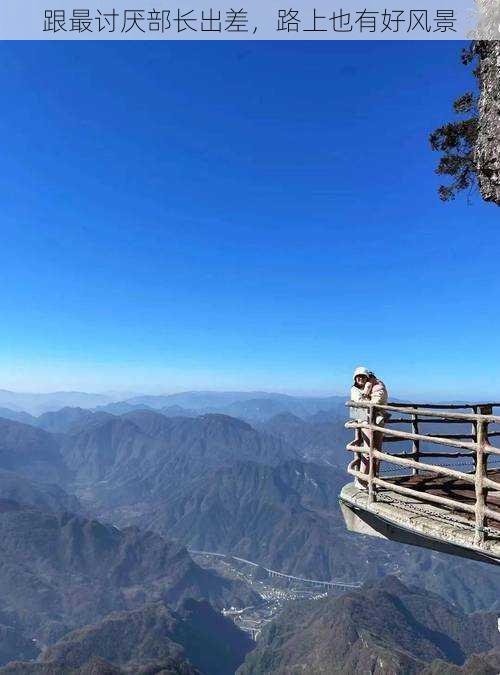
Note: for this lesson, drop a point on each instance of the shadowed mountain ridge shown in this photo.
(385, 628)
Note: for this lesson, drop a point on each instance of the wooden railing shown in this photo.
(474, 445)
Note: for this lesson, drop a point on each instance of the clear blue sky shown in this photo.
(236, 215)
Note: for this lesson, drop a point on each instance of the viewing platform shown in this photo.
(421, 493)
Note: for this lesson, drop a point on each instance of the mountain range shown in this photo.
(142, 456)
(216, 483)
(254, 405)
(153, 638)
(319, 438)
(287, 518)
(386, 628)
(36, 404)
(99, 506)
(60, 571)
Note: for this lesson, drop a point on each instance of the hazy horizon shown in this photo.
(123, 395)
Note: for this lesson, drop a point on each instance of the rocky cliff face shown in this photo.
(487, 154)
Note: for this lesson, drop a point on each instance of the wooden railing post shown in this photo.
(371, 470)
(479, 483)
(358, 440)
(484, 410)
(475, 411)
(415, 446)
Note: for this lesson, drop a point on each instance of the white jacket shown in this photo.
(375, 392)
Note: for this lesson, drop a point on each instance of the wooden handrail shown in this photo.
(424, 453)
(477, 448)
(435, 468)
(408, 420)
(446, 406)
(406, 435)
(440, 440)
(424, 412)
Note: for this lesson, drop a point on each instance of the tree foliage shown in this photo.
(457, 140)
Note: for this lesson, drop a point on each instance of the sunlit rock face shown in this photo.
(488, 145)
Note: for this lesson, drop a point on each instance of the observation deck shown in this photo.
(419, 492)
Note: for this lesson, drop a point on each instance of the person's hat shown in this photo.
(361, 370)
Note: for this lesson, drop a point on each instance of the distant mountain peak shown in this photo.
(287, 417)
(229, 420)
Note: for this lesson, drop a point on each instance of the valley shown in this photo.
(109, 517)
(275, 589)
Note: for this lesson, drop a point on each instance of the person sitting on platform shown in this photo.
(369, 388)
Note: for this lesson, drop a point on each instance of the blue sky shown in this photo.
(236, 215)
